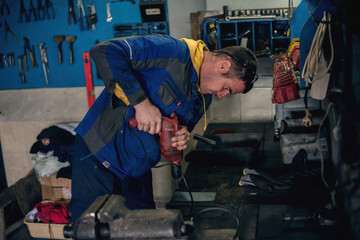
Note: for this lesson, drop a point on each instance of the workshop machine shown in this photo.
(108, 218)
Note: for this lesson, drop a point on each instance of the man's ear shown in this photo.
(224, 66)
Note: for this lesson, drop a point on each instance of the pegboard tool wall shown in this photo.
(65, 74)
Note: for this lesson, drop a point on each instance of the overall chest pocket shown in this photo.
(169, 93)
(166, 95)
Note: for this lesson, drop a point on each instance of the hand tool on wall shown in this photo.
(40, 10)
(23, 15)
(109, 18)
(50, 12)
(21, 69)
(34, 56)
(4, 5)
(82, 14)
(71, 12)
(7, 29)
(71, 40)
(27, 48)
(7, 59)
(59, 39)
(32, 11)
(45, 63)
(169, 126)
(91, 16)
(4, 59)
(89, 79)
(11, 59)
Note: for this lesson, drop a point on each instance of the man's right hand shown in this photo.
(148, 117)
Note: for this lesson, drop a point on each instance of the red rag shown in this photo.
(53, 213)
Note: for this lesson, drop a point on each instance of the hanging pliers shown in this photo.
(40, 10)
(71, 13)
(27, 48)
(32, 11)
(22, 12)
(7, 29)
(50, 13)
(4, 4)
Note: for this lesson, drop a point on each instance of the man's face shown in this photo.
(213, 80)
(222, 86)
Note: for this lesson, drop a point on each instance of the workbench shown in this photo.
(216, 184)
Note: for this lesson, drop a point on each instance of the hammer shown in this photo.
(59, 39)
(70, 40)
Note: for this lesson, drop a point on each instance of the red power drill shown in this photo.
(169, 126)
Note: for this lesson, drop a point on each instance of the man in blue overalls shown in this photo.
(147, 78)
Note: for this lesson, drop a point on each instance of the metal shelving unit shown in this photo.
(269, 30)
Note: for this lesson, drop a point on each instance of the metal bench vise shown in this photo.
(109, 218)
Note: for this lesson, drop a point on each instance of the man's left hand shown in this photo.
(181, 138)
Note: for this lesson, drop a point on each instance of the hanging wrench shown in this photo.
(81, 13)
(45, 64)
(109, 18)
(92, 16)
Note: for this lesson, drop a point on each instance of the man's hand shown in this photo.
(182, 137)
(148, 117)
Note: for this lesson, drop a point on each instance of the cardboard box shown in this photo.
(55, 193)
(45, 230)
(55, 189)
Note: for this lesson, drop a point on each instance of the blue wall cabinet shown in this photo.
(263, 36)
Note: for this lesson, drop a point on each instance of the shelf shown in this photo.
(261, 35)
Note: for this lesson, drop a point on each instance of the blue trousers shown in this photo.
(90, 179)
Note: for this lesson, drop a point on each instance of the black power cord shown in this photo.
(191, 216)
(192, 198)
